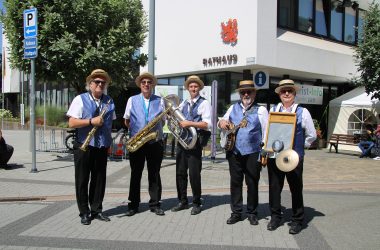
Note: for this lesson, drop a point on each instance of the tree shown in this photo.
(77, 36)
(367, 53)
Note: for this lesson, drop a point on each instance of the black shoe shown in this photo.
(101, 216)
(158, 211)
(85, 219)
(295, 228)
(131, 212)
(233, 219)
(273, 224)
(196, 210)
(180, 206)
(253, 220)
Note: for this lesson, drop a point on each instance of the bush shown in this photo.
(55, 116)
(4, 113)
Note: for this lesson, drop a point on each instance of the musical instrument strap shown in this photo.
(99, 105)
(146, 109)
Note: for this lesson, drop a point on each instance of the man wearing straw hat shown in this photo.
(243, 159)
(197, 111)
(305, 134)
(91, 165)
(140, 110)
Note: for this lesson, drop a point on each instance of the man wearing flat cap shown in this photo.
(305, 134)
(197, 111)
(140, 110)
(243, 159)
(89, 110)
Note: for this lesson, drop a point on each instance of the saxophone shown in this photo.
(145, 134)
(93, 130)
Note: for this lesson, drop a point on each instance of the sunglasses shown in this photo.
(146, 82)
(97, 82)
(290, 91)
(243, 92)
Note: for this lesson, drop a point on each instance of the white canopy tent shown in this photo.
(355, 104)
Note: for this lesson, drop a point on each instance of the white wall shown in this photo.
(11, 77)
(188, 31)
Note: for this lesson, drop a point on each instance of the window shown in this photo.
(286, 13)
(305, 16)
(320, 18)
(336, 20)
(358, 119)
(360, 25)
(163, 81)
(179, 81)
(349, 25)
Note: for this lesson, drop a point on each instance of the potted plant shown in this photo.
(320, 142)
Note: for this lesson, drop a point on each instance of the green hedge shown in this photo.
(55, 116)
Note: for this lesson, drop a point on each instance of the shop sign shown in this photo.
(309, 94)
(229, 32)
(220, 60)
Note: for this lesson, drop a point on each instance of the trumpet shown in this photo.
(91, 134)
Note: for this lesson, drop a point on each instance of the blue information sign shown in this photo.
(260, 78)
(30, 43)
(30, 53)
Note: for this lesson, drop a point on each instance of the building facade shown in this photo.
(309, 41)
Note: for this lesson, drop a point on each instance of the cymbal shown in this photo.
(287, 160)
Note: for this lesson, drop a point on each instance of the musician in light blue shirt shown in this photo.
(140, 110)
(243, 159)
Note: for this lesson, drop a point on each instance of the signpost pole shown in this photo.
(214, 100)
(32, 115)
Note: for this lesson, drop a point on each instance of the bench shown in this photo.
(337, 139)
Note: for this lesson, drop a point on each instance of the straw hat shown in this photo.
(146, 75)
(287, 83)
(195, 79)
(99, 73)
(246, 84)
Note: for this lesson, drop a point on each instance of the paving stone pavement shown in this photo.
(341, 196)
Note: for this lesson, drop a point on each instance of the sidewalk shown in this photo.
(341, 199)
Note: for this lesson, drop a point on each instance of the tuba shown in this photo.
(187, 137)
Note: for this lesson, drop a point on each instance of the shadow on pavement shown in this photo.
(13, 166)
(310, 213)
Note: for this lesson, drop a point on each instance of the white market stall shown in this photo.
(348, 113)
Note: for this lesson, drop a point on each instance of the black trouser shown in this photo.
(6, 153)
(153, 154)
(276, 184)
(189, 160)
(249, 167)
(90, 165)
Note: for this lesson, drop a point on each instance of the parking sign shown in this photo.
(30, 23)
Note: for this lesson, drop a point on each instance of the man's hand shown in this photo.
(224, 124)
(97, 121)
